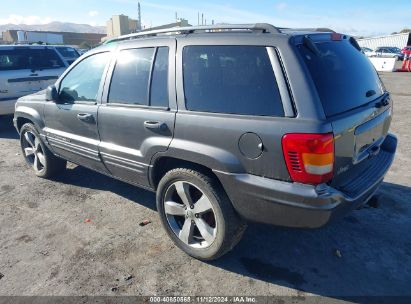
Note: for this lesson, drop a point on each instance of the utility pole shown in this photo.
(139, 18)
(202, 19)
(198, 18)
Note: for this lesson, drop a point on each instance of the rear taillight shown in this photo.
(309, 157)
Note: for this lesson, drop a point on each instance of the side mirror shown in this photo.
(52, 94)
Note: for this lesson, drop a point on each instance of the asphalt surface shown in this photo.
(80, 235)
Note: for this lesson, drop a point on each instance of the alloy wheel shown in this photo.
(33, 151)
(190, 214)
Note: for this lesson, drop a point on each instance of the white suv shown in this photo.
(25, 69)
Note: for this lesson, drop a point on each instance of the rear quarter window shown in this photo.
(230, 79)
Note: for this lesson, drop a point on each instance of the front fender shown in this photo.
(31, 114)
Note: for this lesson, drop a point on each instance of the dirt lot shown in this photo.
(47, 247)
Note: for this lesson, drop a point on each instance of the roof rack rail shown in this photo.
(263, 27)
(319, 29)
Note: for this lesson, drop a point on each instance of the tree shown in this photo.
(406, 30)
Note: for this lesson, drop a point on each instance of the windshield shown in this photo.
(31, 59)
(345, 78)
(67, 52)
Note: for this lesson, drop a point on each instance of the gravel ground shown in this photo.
(47, 247)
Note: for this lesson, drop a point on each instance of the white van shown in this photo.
(25, 69)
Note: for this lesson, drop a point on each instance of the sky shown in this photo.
(354, 17)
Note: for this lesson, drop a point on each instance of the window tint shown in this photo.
(27, 58)
(159, 82)
(129, 84)
(230, 79)
(342, 75)
(83, 81)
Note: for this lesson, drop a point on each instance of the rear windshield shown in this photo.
(67, 52)
(344, 76)
(33, 59)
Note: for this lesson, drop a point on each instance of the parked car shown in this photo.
(390, 52)
(368, 52)
(228, 124)
(25, 69)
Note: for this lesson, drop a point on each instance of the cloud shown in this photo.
(93, 13)
(29, 20)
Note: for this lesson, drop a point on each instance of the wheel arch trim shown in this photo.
(31, 115)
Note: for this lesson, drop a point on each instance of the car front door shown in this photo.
(136, 118)
(71, 122)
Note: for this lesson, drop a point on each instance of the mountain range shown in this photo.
(56, 27)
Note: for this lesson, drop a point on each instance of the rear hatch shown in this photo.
(25, 70)
(354, 102)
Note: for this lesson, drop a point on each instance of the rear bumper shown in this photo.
(287, 204)
(7, 106)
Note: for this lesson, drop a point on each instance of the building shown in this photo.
(121, 25)
(395, 40)
(69, 38)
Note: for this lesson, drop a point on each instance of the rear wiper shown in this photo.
(311, 46)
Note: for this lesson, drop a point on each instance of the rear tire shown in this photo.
(36, 154)
(197, 214)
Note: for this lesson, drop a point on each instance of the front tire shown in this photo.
(37, 155)
(197, 214)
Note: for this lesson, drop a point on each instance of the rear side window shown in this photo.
(230, 79)
(133, 73)
(30, 59)
(343, 76)
(130, 80)
(159, 82)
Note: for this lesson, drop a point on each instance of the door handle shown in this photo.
(155, 125)
(86, 117)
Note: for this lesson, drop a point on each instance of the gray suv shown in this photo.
(228, 124)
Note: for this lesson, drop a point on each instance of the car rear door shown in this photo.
(71, 123)
(136, 118)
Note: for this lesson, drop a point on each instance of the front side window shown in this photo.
(230, 79)
(83, 81)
